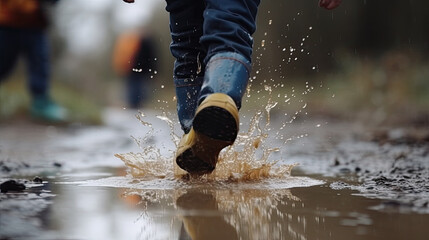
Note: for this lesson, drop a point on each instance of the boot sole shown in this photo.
(215, 127)
(217, 123)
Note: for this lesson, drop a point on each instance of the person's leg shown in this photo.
(9, 51)
(228, 28)
(135, 89)
(186, 26)
(35, 46)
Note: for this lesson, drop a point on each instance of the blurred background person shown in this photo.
(23, 32)
(134, 59)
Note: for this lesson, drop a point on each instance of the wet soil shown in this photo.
(353, 182)
(385, 163)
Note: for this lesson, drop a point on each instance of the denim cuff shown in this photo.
(232, 56)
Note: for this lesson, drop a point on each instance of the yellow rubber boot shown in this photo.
(215, 126)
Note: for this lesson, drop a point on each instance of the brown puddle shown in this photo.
(216, 210)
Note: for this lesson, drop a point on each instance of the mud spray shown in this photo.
(246, 160)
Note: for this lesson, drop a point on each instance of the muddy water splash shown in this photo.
(150, 163)
(246, 160)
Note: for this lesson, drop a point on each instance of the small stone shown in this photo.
(6, 169)
(37, 179)
(11, 185)
(336, 162)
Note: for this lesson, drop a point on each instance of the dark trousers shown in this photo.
(202, 30)
(33, 45)
(138, 87)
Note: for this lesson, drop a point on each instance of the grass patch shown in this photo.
(15, 102)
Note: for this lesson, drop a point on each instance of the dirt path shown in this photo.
(388, 164)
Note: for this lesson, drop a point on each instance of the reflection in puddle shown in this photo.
(198, 225)
(295, 208)
(207, 209)
(223, 214)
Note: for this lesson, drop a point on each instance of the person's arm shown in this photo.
(328, 4)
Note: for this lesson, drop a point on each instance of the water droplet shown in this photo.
(270, 22)
(267, 88)
(162, 86)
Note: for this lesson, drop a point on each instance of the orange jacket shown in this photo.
(124, 52)
(22, 14)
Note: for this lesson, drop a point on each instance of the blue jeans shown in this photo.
(138, 88)
(33, 45)
(212, 43)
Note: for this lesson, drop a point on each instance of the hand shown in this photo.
(328, 4)
(128, 1)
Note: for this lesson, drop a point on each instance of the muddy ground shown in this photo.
(390, 163)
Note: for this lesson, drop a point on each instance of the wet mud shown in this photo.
(391, 164)
(351, 182)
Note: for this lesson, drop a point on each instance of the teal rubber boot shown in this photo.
(43, 108)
